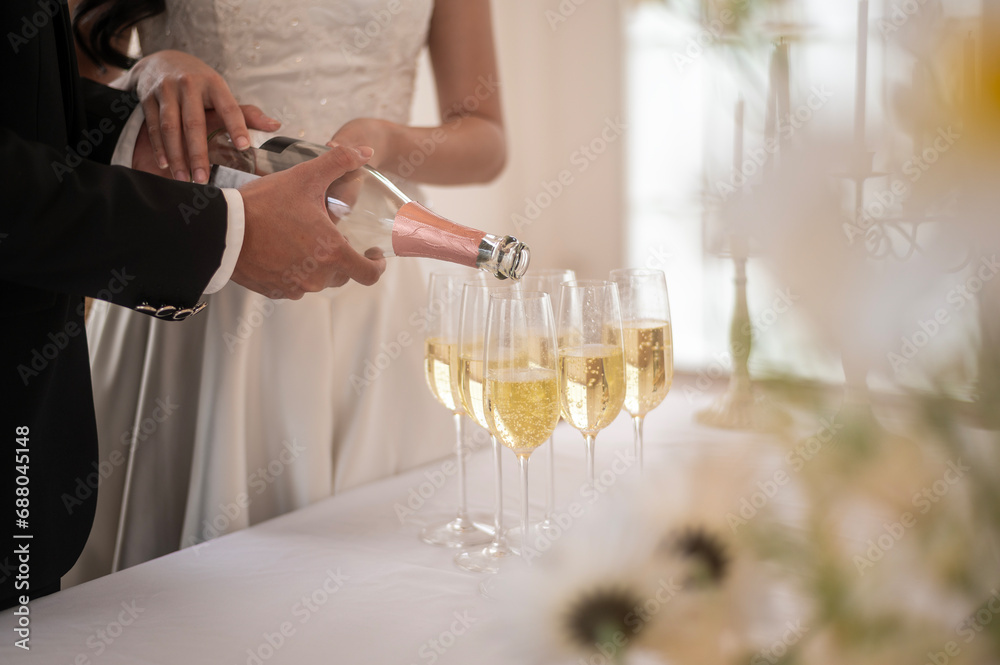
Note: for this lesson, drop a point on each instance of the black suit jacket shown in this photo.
(71, 227)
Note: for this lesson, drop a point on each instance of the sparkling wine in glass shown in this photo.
(521, 389)
(649, 348)
(548, 281)
(591, 359)
(441, 370)
(471, 384)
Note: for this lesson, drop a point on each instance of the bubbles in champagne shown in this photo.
(592, 385)
(523, 405)
(470, 385)
(439, 358)
(649, 364)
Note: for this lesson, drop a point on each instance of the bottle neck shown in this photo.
(418, 231)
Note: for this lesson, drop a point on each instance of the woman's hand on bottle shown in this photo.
(175, 89)
(144, 156)
(372, 132)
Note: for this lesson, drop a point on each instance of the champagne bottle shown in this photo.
(370, 211)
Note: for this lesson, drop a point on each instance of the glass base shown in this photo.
(539, 540)
(488, 589)
(741, 409)
(486, 560)
(549, 528)
(459, 532)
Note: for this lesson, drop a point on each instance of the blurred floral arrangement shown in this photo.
(731, 21)
(850, 537)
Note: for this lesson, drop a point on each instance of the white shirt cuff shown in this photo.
(234, 241)
(122, 156)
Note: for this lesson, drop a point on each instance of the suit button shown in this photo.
(182, 314)
(146, 308)
(197, 308)
(165, 312)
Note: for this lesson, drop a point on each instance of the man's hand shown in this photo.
(291, 246)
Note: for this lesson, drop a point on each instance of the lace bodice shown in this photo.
(313, 64)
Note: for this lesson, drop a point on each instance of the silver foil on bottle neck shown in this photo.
(504, 257)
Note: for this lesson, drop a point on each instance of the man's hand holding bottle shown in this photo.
(290, 245)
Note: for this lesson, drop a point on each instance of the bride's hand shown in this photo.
(377, 134)
(144, 157)
(175, 89)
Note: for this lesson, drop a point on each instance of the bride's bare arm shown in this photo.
(469, 146)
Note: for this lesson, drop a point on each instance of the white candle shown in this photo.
(738, 141)
(862, 73)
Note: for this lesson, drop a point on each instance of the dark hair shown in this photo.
(107, 20)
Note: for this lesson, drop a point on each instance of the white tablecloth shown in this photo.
(342, 581)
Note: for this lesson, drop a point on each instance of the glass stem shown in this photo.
(550, 498)
(637, 426)
(498, 535)
(590, 458)
(460, 455)
(522, 461)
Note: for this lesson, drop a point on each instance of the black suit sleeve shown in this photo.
(107, 110)
(73, 226)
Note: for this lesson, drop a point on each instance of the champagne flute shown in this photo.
(591, 359)
(472, 332)
(649, 347)
(522, 389)
(441, 370)
(548, 281)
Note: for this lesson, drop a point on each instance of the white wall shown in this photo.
(563, 84)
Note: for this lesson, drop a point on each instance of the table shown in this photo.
(344, 580)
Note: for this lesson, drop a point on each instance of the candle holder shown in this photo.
(741, 407)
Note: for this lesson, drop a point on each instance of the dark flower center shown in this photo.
(602, 617)
(705, 551)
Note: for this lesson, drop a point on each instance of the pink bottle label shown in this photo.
(420, 232)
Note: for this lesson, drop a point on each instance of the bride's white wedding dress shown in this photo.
(256, 407)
